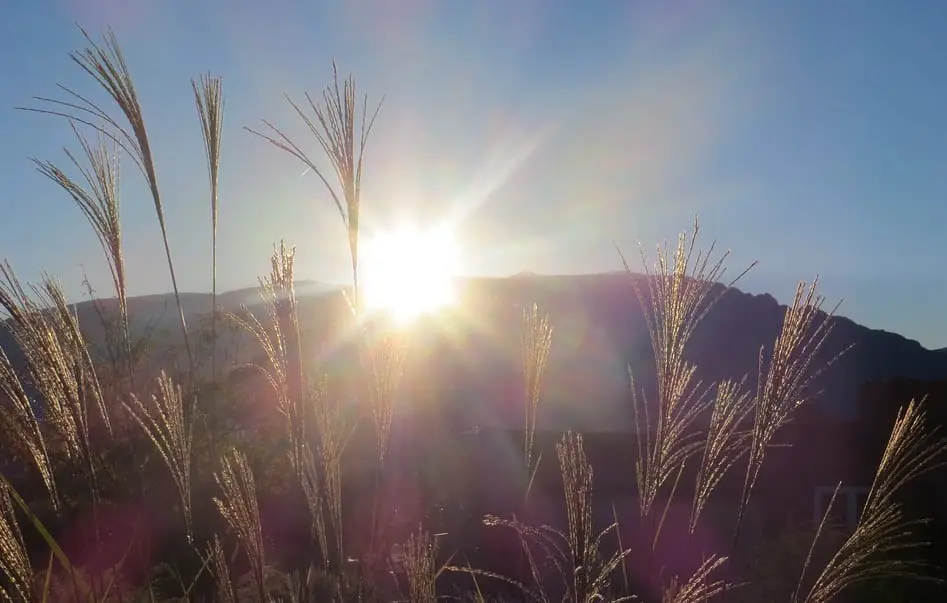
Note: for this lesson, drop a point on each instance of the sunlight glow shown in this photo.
(409, 272)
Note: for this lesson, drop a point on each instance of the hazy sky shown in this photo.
(811, 136)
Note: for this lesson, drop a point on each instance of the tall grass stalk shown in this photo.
(105, 64)
(912, 451)
(724, 443)
(98, 199)
(575, 554)
(19, 422)
(342, 131)
(537, 342)
(323, 485)
(279, 340)
(58, 364)
(682, 289)
(384, 354)
(699, 587)
(209, 99)
(238, 506)
(14, 558)
(420, 567)
(170, 429)
(784, 383)
(221, 572)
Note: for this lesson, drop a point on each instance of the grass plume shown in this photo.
(699, 587)
(105, 64)
(169, 428)
(912, 451)
(221, 572)
(724, 444)
(682, 289)
(238, 506)
(19, 422)
(420, 567)
(14, 558)
(209, 99)
(784, 383)
(537, 342)
(342, 131)
(384, 357)
(98, 199)
(58, 363)
(279, 340)
(322, 483)
(576, 554)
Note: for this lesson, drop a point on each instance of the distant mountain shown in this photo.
(468, 359)
(600, 331)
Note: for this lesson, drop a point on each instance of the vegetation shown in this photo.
(139, 488)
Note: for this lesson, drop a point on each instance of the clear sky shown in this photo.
(808, 135)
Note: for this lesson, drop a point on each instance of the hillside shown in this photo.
(468, 359)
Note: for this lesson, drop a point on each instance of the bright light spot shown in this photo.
(409, 272)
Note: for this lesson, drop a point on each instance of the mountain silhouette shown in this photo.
(469, 357)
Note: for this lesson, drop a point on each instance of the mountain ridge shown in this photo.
(599, 332)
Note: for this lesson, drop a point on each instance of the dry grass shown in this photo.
(98, 199)
(883, 531)
(576, 555)
(209, 99)
(784, 384)
(681, 291)
(420, 567)
(383, 354)
(238, 506)
(699, 587)
(105, 64)
(169, 428)
(14, 558)
(537, 342)
(323, 485)
(58, 366)
(724, 444)
(342, 131)
(221, 571)
(279, 340)
(19, 422)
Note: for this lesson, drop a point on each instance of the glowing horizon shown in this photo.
(407, 273)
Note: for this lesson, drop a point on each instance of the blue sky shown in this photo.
(811, 136)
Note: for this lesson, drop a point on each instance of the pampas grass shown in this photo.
(420, 566)
(14, 559)
(334, 429)
(105, 64)
(279, 340)
(342, 132)
(699, 587)
(170, 429)
(58, 364)
(237, 504)
(784, 383)
(577, 562)
(98, 199)
(221, 571)
(19, 422)
(537, 342)
(883, 531)
(209, 99)
(724, 444)
(681, 291)
(576, 554)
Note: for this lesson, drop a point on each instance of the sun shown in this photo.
(409, 272)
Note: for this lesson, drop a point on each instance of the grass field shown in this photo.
(127, 481)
